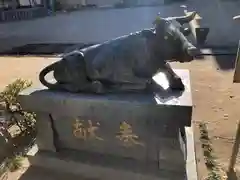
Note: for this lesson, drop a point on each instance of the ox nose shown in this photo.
(189, 53)
(192, 51)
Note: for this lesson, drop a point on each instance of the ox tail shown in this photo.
(44, 72)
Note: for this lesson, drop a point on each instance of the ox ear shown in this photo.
(159, 26)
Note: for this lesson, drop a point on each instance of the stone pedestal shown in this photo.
(137, 133)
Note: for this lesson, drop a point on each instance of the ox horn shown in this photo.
(186, 19)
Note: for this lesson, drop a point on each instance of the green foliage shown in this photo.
(15, 115)
(11, 91)
(8, 97)
(14, 163)
(10, 164)
(210, 159)
(213, 175)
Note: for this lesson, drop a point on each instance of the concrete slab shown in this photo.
(191, 165)
(90, 171)
(39, 173)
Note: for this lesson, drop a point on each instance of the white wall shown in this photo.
(107, 2)
(100, 25)
(26, 2)
(150, 2)
(102, 2)
(83, 2)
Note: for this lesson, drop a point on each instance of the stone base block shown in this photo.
(138, 130)
(130, 125)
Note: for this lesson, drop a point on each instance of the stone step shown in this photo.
(100, 172)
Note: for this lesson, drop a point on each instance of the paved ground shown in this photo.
(216, 99)
(100, 25)
(26, 68)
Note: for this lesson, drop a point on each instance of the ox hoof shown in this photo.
(177, 84)
(97, 87)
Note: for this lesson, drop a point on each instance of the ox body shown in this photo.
(127, 63)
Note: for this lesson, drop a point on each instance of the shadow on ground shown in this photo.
(225, 62)
(233, 175)
(43, 49)
(225, 57)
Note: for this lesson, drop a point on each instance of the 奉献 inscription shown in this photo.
(85, 130)
(127, 136)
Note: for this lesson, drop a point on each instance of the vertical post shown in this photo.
(235, 150)
(45, 3)
(199, 33)
(83, 2)
(52, 5)
(236, 77)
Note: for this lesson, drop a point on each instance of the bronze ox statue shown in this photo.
(127, 63)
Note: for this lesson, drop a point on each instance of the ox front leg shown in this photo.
(175, 81)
